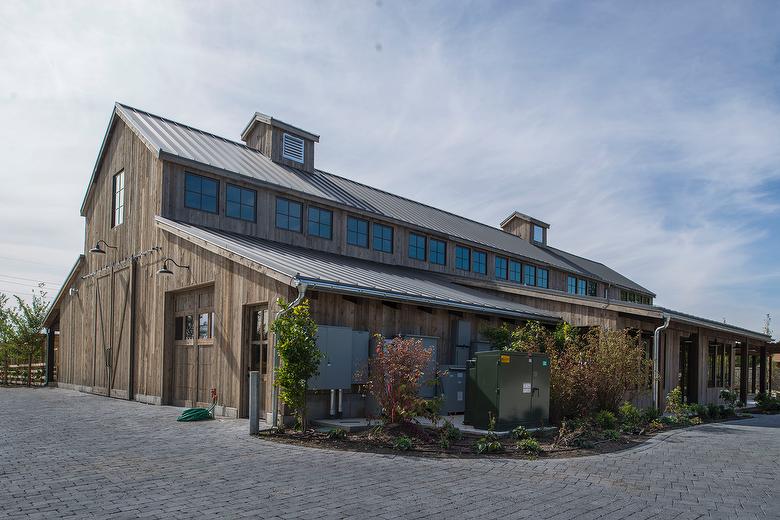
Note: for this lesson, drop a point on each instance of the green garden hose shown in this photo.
(199, 414)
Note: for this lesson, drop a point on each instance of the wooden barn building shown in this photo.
(191, 238)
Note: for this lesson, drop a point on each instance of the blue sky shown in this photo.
(647, 135)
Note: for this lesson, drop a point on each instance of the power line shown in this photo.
(34, 286)
(27, 261)
(28, 279)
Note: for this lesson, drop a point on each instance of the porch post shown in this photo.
(743, 372)
(254, 402)
(762, 370)
(50, 355)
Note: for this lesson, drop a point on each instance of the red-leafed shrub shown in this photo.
(395, 371)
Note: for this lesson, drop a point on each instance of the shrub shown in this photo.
(520, 433)
(650, 414)
(394, 378)
(656, 425)
(597, 371)
(299, 356)
(630, 418)
(767, 403)
(336, 433)
(605, 420)
(674, 403)
(574, 433)
(713, 411)
(402, 443)
(696, 421)
(612, 435)
(729, 397)
(489, 442)
(529, 446)
(448, 434)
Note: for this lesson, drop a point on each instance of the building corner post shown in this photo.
(49, 356)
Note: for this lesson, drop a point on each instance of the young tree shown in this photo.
(26, 330)
(299, 356)
(395, 371)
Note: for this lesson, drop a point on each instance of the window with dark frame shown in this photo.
(382, 238)
(501, 268)
(529, 274)
(538, 234)
(582, 287)
(592, 288)
(515, 271)
(571, 285)
(479, 262)
(437, 251)
(200, 192)
(320, 222)
(288, 214)
(417, 246)
(240, 203)
(542, 276)
(357, 232)
(462, 258)
(118, 214)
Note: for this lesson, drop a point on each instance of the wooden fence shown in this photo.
(19, 374)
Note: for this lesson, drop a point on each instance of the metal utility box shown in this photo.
(453, 389)
(512, 386)
(479, 346)
(427, 382)
(336, 345)
(461, 356)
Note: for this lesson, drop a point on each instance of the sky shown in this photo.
(646, 133)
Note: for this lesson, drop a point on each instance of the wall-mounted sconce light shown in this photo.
(98, 250)
(73, 291)
(166, 271)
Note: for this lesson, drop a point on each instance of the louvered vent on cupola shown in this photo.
(292, 148)
(281, 142)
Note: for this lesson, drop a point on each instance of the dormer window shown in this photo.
(538, 234)
(292, 148)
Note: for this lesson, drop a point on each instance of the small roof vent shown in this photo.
(292, 148)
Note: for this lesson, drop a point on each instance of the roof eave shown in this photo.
(55, 303)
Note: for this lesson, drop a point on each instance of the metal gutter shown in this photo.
(656, 364)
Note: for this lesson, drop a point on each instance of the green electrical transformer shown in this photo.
(512, 386)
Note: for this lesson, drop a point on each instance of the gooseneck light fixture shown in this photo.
(97, 249)
(166, 271)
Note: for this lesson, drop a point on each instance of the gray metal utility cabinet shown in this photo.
(512, 386)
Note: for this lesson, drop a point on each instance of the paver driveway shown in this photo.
(66, 454)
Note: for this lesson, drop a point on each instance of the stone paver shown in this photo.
(65, 454)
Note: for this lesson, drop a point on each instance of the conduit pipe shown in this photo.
(341, 394)
(275, 396)
(656, 349)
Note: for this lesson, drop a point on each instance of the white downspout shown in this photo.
(275, 395)
(656, 364)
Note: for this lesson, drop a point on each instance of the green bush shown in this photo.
(611, 435)
(650, 414)
(448, 434)
(699, 410)
(631, 419)
(675, 405)
(336, 433)
(729, 397)
(520, 433)
(605, 420)
(529, 446)
(767, 403)
(713, 411)
(402, 443)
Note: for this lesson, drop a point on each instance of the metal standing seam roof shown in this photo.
(173, 140)
(338, 273)
(600, 270)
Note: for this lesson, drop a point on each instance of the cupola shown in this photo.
(527, 228)
(281, 142)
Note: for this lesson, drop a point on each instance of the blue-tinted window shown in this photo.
(541, 277)
(479, 262)
(515, 272)
(462, 258)
(383, 238)
(571, 285)
(529, 275)
(416, 246)
(501, 268)
(240, 202)
(357, 232)
(538, 234)
(320, 222)
(288, 214)
(581, 286)
(200, 193)
(437, 251)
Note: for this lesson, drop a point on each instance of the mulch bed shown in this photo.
(383, 442)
